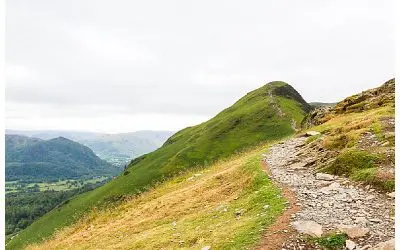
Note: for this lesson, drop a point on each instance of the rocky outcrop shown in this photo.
(366, 100)
(317, 116)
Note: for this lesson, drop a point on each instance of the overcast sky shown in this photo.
(119, 66)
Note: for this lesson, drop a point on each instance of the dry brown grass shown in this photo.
(191, 211)
(344, 130)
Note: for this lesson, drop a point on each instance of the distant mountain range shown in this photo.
(34, 159)
(114, 148)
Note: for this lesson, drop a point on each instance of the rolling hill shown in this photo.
(35, 160)
(269, 113)
(117, 149)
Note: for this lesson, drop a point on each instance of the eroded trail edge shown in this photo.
(325, 204)
(280, 231)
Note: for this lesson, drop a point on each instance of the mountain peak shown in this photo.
(287, 91)
(280, 89)
(276, 84)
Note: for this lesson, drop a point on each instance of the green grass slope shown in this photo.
(266, 114)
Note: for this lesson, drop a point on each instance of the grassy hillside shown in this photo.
(268, 113)
(226, 206)
(30, 159)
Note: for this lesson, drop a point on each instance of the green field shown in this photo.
(64, 185)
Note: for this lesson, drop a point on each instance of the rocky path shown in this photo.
(329, 203)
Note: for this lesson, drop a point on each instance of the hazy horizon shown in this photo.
(123, 66)
(8, 130)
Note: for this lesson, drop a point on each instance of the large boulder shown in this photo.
(353, 232)
(324, 177)
(350, 245)
(387, 245)
(308, 227)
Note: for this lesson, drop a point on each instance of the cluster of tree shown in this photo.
(23, 208)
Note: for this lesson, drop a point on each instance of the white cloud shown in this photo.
(70, 61)
(19, 73)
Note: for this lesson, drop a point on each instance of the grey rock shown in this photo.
(324, 177)
(387, 245)
(312, 133)
(308, 227)
(392, 195)
(350, 245)
(353, 232)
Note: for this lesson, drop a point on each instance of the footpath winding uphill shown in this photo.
(328, 203)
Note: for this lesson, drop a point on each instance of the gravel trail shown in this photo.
(332, 202)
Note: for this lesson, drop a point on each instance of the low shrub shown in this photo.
(348, 162)
(333, 241)
(329, 241)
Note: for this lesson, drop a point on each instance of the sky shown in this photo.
(122, 66)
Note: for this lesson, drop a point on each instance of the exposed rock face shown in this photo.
(316, 117)
(308, 227)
